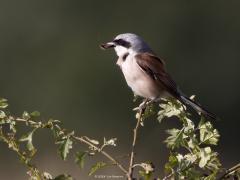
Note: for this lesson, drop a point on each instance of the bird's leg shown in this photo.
(142, 106)
(151, 101)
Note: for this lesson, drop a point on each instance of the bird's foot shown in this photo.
(142, 106)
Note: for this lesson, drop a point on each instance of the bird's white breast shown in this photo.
(139, 81)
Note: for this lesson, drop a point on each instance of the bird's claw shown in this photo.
(142, 106)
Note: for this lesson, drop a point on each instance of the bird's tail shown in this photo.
(187, 101)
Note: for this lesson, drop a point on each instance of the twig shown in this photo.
(135, 130)
(103, 152)
(83, 140)
(168, 176)
(24, 159)
(230, 171)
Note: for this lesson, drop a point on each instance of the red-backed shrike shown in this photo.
(145, 73)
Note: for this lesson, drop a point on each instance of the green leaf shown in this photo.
(26, 115)
(146, 176)
(183, 162)
(28, 139)
(172, 162)
(96, 167)
(205, 156)
(63, 177)
(192, 173)
(214, 164)
(2, 114)
(208, 135)
(3, 103)
(35, 114)
(80, 157)
(191, 158)
(2, 121)
(170, 107)
(193, 142)
(175, 139)
(65, 146)
(188, 125)
(12, 126)
(149, 111)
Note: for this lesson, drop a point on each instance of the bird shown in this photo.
(146, 74)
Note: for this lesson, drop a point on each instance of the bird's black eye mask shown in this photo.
(122, 42)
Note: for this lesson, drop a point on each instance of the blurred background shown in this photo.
(51, 62)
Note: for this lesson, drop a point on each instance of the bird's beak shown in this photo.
(107, 45)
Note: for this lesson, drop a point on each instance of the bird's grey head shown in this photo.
(127, 43)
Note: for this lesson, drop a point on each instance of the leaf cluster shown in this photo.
(22, 143)
(191, 152)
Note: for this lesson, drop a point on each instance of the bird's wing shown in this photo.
(154, 67)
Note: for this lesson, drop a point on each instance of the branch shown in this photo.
(33, 171)
(82, 140)
(230, 171)
(135, 130)
(168, 176)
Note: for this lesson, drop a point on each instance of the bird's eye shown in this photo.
(124, 57)
(122, 42)
(117, 41)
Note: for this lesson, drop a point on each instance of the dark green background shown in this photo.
(50, 61)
